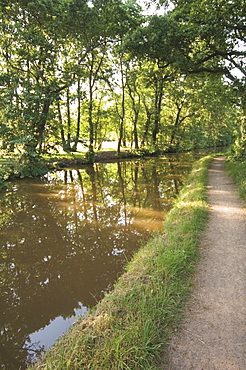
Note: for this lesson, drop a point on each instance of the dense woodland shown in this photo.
(81, 72)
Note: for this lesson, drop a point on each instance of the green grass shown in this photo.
(130, 327)
(237, 170)
(59, 156)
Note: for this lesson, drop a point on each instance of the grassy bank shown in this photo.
(130, 326)
(237, 170)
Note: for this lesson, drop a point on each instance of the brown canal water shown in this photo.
(65, 240)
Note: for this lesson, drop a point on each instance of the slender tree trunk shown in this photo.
(136, 108)
(135, 132)
(78, 117)
(61, 126)
(122, 114)
(98, 129)
(90, 155)
(176, 123)
(158, 102)
(147, 124)
(42, 123)
(94, 69)
(68, 122)
(178, 120)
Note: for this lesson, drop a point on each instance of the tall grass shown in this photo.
(129, 328)
(237, 170)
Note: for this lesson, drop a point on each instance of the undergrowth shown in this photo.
(237, 170)
(129, 328)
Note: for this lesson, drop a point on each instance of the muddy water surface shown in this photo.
(66, 238)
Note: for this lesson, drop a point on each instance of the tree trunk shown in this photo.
(68, 122)
(176, 123)
(122, 114)
(61, 125)
(90, 153)
(158, 101)
(76, 140)
(41, 126)
(136, 108)
(147, 124)
(98, 131)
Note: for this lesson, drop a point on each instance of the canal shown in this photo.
(66, 238)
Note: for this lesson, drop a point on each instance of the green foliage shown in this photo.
(238, 151)
(76, 71)
(150, 150)
(5, 173)
(26, 166)
(236, 167)
(162, 39)
(30, 165)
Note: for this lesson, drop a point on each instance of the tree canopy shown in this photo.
(78, 71)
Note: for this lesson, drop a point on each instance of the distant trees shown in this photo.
(90, 70)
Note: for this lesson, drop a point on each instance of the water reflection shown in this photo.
(66, 238)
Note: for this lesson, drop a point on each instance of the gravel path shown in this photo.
(213, 333)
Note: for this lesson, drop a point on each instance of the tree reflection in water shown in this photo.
(66, 238)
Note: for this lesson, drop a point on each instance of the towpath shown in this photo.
(213, 332)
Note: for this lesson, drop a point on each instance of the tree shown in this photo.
(130, 13)
(220, 43)
(61, 58)
(31, 45)
(200, 113)
(135, 98)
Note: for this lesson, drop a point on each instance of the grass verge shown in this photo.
(237, 170)
(130, 326)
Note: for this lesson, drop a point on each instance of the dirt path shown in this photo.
(213, 332)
